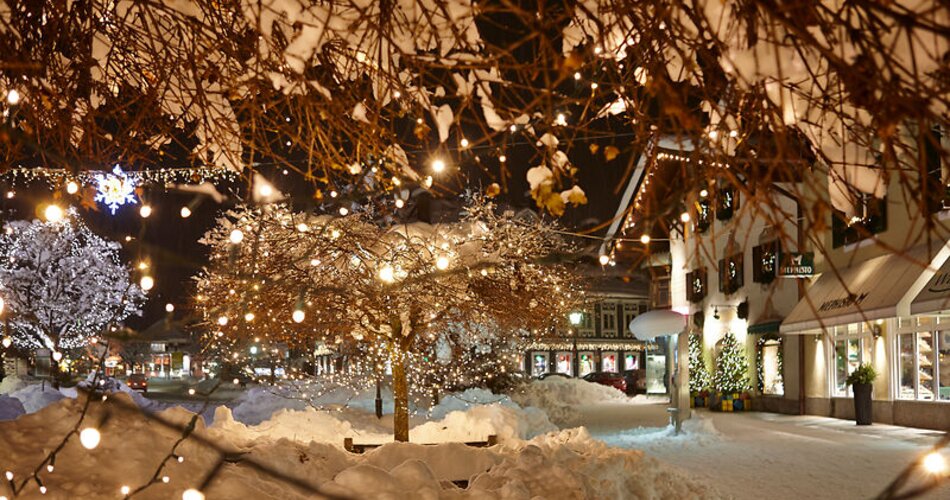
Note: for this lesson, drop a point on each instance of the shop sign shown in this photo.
(797, 265)
(850, 300)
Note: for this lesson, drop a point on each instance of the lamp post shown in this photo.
(575, 318)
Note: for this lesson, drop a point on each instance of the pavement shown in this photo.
(177, 390)
(766, 455)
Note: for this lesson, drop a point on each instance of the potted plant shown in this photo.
(861, 380)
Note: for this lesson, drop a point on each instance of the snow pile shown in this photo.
(35, 397)
(10, 408)
(559, 396)
(461, 401)
(697, 431)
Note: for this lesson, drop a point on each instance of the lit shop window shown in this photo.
(539, 364)
(608, 362)
(631, 362)
(770, 367)
(852, 348)
(924, 369)
(586, 363)
(565, 363)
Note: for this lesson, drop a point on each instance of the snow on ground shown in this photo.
(766, 455)
(564, 464)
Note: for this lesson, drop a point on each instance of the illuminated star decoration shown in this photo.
(115, 189)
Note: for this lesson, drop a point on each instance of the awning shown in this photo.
(936, 293)
(768, 326)
(866, 291)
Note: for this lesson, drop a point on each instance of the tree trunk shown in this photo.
(400, 397)
(379, 400)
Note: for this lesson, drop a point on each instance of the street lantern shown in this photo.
(575, 317)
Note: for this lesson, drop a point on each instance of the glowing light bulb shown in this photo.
(146, 283)
(298, 315)
(502, 158)
(344, 211)
(192, 494)
(7, 341)
(442, 263)
(561, 119)
(249, 317)
(386, 274)
(604, 259)
(236, 236)
(125, 490)
(645, 239)
(145, 211)
(222, 320)
(53, 213)
(464, 142)
(704, 193)
(400, 203)
(265, 190)
(577, 75)
(89, 438)
(185, 212)
(57, 356)
(13, 97)
(303, 228)
(438, 166)
(684, 217)
(169, 307)
(72, 187)
(934, 463)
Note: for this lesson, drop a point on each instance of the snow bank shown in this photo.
(558, 396)
(566, 464)
(10, 408)
(35, 397)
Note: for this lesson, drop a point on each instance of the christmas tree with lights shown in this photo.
(698, 374)
(732, 367)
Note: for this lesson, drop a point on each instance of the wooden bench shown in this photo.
(352, 447)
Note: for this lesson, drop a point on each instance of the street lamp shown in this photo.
(575, 317)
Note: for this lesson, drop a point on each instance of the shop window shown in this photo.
(769, 366)
(870, 218)
(565, 363)
(848, 356)
(608, 319)
(539, 364)
(925, 365)
(630, 311)
(586, 363)
(765, 262)
(631, 361)
(730, 274)
(703, 215)
(727, 203)
(608, 362)
(696, 285)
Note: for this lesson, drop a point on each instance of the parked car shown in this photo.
(553, 374)
(636, 381)
(138, 382)
(611, 379)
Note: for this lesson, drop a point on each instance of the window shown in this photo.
(852, 347)
(608, 362)
(539, 364)
(586, 326)
(696, 285)
(730, 274)
(934, 185)
(660, 292)
(565, 363)
(870, 218)
(608, 319)
(924, 347)
(630, 311)
(765, 262)
(770, 371)
(726, 203)
(703, 216)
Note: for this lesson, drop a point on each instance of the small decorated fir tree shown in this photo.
(732, 367)
(698, 374)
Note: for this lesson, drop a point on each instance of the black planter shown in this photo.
(862, 404)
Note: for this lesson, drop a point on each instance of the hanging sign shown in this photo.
(797, 265)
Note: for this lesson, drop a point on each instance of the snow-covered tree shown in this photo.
(62, 283)
(698, 374)
(400, 294)
(732, 367)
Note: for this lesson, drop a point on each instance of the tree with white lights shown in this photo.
(397, 294)
(62, 284)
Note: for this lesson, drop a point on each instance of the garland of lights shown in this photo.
(56, 177)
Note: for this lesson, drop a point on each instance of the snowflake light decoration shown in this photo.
(115, 189)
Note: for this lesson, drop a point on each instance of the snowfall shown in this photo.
(557, 438)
